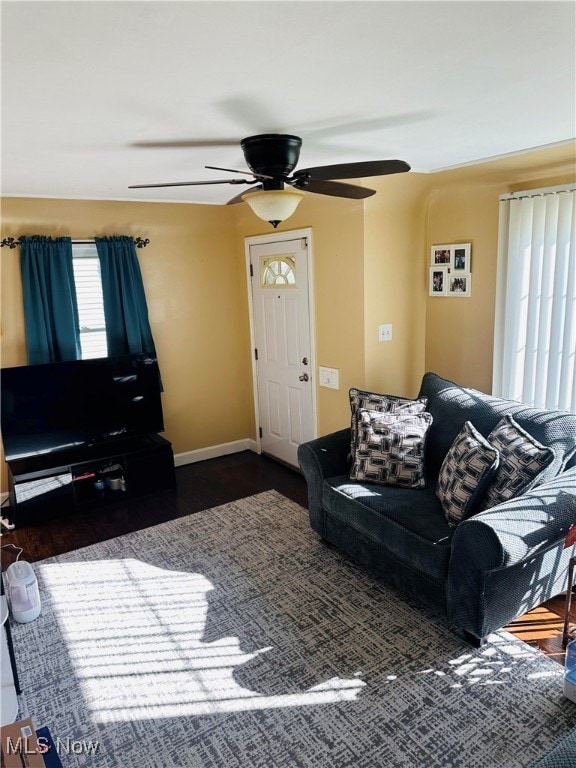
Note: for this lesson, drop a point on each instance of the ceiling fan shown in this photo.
(272, 158)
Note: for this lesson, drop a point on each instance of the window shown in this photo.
(278, 271)
(88, 284)
(535, 339)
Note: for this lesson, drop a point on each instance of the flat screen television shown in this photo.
(79, 404)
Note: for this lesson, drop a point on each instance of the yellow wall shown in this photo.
(195, 288)
(463, 208)
(370, 266)
(459, 331)
(394, 282)
(195, 279)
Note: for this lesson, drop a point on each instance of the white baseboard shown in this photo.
(213, 451)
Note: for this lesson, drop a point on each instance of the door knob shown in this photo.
(303, 377)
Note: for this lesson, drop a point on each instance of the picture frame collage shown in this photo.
(450, 270)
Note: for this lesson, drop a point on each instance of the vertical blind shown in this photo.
(535, 334)
(89, 297)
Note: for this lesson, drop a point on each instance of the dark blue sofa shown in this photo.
(487, 570)
(562, 755)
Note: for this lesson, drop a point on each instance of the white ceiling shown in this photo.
(438, 84)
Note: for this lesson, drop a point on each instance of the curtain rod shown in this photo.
(12, 242)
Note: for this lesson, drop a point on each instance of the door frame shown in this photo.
(276, 237)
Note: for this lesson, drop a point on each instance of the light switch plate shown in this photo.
(329, 377)
(385, 332)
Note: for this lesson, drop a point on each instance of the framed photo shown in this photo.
(460, 259)
(441, 254)
(459, 285)
(439, 281)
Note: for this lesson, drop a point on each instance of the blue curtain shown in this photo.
(125, 309)
(50, 306)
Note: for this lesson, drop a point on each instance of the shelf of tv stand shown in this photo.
(51, 485)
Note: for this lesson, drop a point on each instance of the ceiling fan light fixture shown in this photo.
(273, 205)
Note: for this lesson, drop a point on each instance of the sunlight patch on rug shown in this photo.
(134, 635)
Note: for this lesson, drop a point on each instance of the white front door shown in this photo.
(280, 279)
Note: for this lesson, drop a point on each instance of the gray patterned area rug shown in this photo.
(233, 638)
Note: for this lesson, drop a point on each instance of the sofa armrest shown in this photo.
(510, 558)
(324, 457)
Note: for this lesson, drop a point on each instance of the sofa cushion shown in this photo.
(451, 405)
(408, 523)
(522, 461)
(372, 401)
(390, 448)
(465, 474)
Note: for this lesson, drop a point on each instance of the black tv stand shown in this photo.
(51, 485)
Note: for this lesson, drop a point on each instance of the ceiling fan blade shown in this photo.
(360, 170)
(326, 128)
(238, 198)
(186, 143)
(336, 189)
(232, 170)
(192, 183)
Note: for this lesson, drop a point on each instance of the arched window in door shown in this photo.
(278, 271)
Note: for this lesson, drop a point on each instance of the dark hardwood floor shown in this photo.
(207, 484)
(199, 486)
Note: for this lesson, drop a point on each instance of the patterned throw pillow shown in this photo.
(522, 460)
(468, 467)
(390, 448)
(372, 401)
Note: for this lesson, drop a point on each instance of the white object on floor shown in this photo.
(8, 698)
(22, 592)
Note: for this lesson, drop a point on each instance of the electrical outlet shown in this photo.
(329, 377)
(385, 332)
